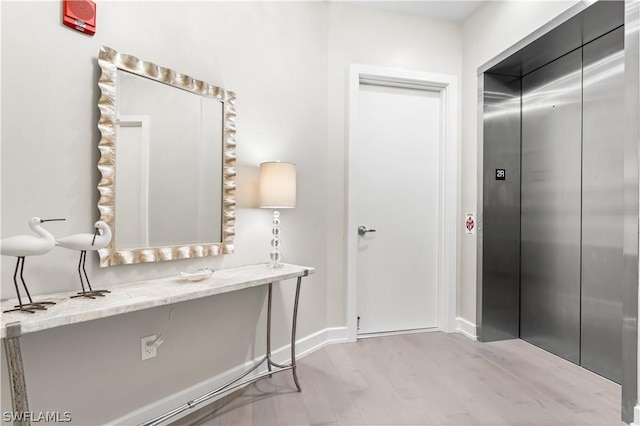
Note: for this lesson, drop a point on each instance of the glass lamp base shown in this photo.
(275, 254)
(275, 265)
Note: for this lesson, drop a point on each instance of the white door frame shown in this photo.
(447, 86)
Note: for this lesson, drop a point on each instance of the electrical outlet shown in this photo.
(149, 350)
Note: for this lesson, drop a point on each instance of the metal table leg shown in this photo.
(13, 354)
(292, 366)
(269, 327)
(241, 380)
(293, 335)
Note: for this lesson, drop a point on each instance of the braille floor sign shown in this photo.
(470, 224)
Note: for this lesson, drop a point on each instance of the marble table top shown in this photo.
(140, 295)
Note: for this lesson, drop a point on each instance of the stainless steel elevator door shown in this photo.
(602, 205)
(500, 292)
(550, 206)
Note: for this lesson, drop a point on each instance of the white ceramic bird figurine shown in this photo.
(21, 246)
(83, 242)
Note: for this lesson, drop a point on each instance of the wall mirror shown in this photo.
(167, 161)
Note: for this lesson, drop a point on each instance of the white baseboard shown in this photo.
(337, 334)
(304, 346)
(467, 328)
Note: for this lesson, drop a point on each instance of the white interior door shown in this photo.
(398, 181)
(132, 208)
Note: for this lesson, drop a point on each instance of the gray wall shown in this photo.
(493, 28)
(371, 36)
(273, 55)
(287, 62)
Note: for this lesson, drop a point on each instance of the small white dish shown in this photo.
(200, 274)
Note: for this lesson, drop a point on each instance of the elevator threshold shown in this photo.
(568, 360)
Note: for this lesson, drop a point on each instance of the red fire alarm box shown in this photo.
(79, 15)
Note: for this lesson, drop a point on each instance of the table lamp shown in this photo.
(277, 191)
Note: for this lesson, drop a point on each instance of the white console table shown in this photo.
(143, 295)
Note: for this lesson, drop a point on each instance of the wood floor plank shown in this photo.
(240, 412)
(290, 402)
(314, 393)
(265, 403)
(425, 379)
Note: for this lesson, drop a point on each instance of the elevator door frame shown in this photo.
(550, 35)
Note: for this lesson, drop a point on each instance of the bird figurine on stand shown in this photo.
(83, 242)
(22, 246)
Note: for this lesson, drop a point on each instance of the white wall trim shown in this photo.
(467, 328)
(304, 347)
(636, 416)
(334, 335)
(447, 85)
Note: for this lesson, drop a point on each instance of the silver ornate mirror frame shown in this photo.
(110, 62)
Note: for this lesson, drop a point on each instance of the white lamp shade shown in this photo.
(277, 185)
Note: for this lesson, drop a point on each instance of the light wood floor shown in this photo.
(424, 379)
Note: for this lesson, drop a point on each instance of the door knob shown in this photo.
(362, 230)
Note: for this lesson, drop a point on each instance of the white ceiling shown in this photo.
(448, 10)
